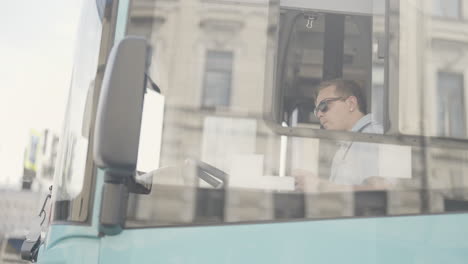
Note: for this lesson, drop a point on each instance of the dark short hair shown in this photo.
(346, 88)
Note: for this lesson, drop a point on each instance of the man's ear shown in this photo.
(352, 103)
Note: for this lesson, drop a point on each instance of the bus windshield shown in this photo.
(278, 110)
(299, 110)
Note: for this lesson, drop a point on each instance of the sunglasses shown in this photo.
(323, 105)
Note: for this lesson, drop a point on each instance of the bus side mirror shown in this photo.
(119, 112)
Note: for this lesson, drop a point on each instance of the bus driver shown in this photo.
(341, 105)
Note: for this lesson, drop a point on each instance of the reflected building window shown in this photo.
(217, 79)
(447, 8)
(451, 106)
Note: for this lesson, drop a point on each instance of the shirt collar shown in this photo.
(364, 121)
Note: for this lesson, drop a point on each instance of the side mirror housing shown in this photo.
(119, 112)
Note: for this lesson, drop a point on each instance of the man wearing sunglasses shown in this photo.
(341, 106)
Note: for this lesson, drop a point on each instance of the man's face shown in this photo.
(338, 113)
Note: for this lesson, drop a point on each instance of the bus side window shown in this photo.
(313, 46)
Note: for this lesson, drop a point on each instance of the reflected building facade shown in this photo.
(226, 93)
(432, 100)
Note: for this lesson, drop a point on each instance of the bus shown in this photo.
(188, 121)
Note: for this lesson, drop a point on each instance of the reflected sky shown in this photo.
(36, 50)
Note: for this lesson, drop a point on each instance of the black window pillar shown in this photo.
(333, 46)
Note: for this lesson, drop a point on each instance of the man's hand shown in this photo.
(305, 181)
(376, 183)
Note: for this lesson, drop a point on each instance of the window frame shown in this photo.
(63, 209)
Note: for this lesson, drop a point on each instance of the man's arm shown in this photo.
(306, 181)
(369, 184)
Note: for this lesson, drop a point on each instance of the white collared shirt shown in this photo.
(356, 161)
